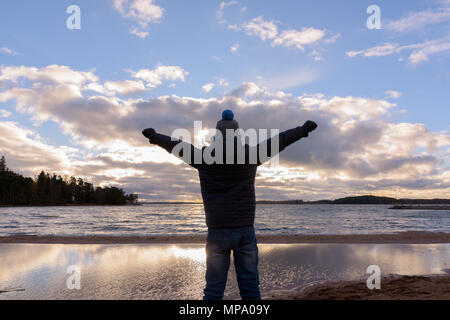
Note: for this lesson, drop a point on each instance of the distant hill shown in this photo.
(348, 200)
(386, 200)
(368, 199)
(365, 200)
(280, 202)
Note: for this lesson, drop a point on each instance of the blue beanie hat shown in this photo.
(228, 115)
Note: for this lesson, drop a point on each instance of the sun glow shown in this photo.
(197, 255)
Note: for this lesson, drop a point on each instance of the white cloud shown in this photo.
(415, 22)
(154, 78)
(248, 89)
(143, 12)
(261, 28)
(317, 55)
(234, 48)
(125, 87)
(219, 83)
(97, 87)
(378, 51)
(422, 54)
(29, 153)
(347, 108)
(52, 73)
(268, 30)
(222, 7)
(138, 33)
(298, 39)
(420, 51)
(7, 50)
(4, 113)
(356, 146)
(222, 82)
(418, 20)
(392, 94)
(78, 81)
(208, 87)
(333, 38)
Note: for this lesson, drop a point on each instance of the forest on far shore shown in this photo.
(54, 190)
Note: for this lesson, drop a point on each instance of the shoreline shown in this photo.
(410, 237)
(421, 207)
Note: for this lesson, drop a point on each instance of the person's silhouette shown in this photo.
(228, 192)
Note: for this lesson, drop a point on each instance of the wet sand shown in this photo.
(392, 288)
(411, 237)
(177, 271)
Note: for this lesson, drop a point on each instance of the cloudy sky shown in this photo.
(75, 101)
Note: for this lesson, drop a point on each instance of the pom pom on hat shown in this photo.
(228, 115)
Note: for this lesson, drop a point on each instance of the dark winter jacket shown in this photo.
(228, 190)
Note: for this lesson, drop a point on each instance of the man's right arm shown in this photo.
(169, 143)
(161, 140)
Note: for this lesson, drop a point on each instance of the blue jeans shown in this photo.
(219, 244)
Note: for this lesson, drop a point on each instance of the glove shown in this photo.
(148, 133)
(310, 126)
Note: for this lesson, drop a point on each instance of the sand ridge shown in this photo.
(394, 287)
(410, 237)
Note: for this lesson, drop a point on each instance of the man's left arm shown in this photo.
(285, 139)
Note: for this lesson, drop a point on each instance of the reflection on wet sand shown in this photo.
(161, 271)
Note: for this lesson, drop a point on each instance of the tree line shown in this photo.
(55, 190)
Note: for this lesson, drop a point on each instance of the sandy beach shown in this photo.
(166, 271)
(403, 237)
(392, 288)
(417, 281)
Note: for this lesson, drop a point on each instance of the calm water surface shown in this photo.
(189, 219)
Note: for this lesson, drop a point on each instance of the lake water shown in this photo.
(147, 220)
(161, 271)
